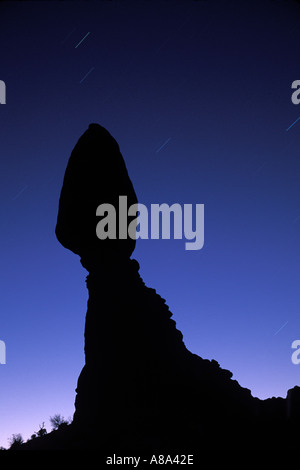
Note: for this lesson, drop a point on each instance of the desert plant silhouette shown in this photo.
(58, 421)
(16, 441)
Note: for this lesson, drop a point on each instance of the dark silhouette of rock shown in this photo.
(95, 174)
(141, 389)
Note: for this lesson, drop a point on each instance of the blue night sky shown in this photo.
(212, 81)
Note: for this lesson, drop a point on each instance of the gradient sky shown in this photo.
(212, 81)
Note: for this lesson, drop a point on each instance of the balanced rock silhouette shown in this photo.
(141, 388)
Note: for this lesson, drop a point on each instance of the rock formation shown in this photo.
(95, 174)
(141, 389)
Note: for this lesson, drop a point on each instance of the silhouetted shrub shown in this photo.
(16, 441)
(58, 421)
